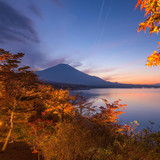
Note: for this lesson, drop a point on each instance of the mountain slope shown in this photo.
(64, 73)
(158, 84)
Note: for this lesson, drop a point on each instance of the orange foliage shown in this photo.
(109, 114)
(152, 11)
(74, 133)
(56, 101)
(153, 59)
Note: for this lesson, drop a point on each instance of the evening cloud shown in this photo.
(14, 26)
(58, 3)
(35, 10)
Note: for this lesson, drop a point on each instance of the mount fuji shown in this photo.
(65, 74)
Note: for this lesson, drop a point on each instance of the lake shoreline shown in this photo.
(143, 104)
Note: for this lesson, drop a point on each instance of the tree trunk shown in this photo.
(9, 133)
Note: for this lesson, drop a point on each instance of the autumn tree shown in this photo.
(17, 90)
(73, 134)
(152, 12)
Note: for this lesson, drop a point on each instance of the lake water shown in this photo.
(143, 105)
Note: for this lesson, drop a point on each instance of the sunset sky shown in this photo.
(98, 37)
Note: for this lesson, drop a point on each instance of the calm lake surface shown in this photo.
(143, 105)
